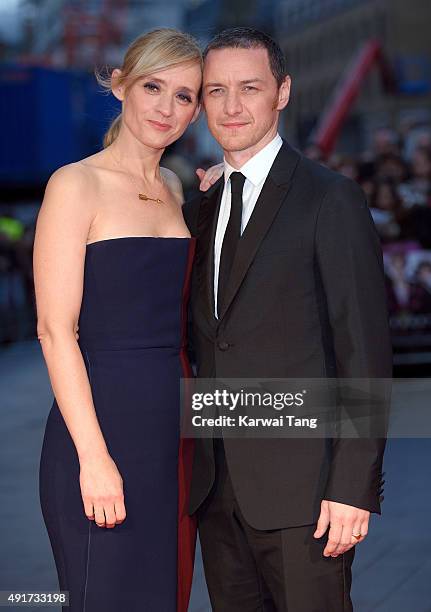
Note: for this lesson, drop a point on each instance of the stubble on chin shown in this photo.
(234, 141)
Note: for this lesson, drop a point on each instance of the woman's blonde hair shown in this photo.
(157, 50)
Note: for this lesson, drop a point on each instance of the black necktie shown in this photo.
(231, 237)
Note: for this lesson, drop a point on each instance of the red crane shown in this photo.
(331, 121)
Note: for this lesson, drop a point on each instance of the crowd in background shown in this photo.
(396, 178)
(17, 316)
(395, 174)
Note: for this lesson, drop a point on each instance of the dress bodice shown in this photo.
(133, 292)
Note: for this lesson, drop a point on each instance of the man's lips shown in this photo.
(236, 124)
(158, 125)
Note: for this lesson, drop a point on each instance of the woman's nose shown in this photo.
(165, 105)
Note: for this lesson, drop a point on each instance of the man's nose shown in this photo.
(233, 104)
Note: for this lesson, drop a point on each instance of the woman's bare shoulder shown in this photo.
(69, 177)
(68, 209)
(77, 175)
(72, 185)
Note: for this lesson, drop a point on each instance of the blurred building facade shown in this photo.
(321, 38)
(82, 33)
(76, 33)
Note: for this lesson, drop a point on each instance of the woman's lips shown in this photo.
(159, 126)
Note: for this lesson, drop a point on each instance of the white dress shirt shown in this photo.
(255, 171)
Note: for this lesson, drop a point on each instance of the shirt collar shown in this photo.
(257, 168)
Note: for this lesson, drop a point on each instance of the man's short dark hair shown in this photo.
(248, 38)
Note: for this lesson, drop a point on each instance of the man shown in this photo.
(288, 283)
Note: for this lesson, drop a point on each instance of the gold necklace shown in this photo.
(141, 196)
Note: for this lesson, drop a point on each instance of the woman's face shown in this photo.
(421, 165)
(424, 273)
(398, 262)
(384, 198)
(158, 108)
(368, 187)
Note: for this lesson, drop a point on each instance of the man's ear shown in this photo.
(196, 113)
(284, 93)
(117, 89)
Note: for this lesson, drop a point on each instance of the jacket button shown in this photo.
(223, 346)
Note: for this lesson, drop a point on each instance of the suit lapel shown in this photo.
(272, 196)
(206, 230)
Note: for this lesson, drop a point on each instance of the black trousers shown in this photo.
(282, 570)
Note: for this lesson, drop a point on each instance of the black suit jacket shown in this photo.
(306, 298)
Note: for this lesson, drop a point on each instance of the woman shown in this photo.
(387, 211)
(112, 258)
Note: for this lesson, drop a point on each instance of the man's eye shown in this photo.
(216, 91)
(151, 87)
(250, 88)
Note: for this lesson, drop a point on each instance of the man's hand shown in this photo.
(210, 176)
(344, 521)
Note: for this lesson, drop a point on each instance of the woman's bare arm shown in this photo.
(59, 253)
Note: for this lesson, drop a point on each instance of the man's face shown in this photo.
(241, 98)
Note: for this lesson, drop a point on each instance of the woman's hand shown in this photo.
(102, 491)
(210, 176)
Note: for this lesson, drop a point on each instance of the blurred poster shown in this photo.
(408, 283)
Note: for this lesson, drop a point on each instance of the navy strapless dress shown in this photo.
(132, 330)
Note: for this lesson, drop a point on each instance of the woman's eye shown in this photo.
(184, 97)
(151, 87)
